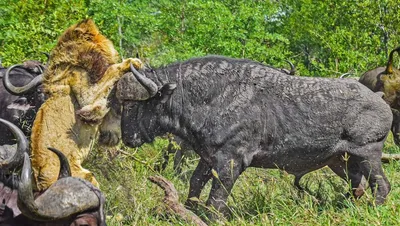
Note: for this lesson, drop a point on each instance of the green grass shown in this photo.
(263, 197)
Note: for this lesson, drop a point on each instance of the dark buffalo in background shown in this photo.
(387, 80)
(20, 96)
(69, 201)
(237, 113)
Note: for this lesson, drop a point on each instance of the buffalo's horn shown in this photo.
(18, 91)
(344, 75)
(389, 66)
(48, 57)
(41, 68)
(149, 85)
(65, 199)
(292, 68)
(65, 170)
(22, 147)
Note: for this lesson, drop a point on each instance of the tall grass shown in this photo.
(262, 197)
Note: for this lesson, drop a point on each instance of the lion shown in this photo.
(81, 73)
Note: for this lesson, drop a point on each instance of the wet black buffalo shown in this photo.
(237, 113)
(20, 96)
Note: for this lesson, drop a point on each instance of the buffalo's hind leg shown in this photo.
(369, 159)
(372, 170)
(200, 177)
(350, 170)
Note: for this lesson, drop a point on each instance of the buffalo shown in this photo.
(237, 113)
(20, 206)
(387, 80)
(20, 96)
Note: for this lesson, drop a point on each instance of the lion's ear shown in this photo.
(78, 31)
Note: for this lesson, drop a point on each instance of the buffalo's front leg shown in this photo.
(199, 179)
(227, 170)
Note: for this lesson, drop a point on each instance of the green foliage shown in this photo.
(29, 28)
(322, 38)
(167, 31)
(339, 36)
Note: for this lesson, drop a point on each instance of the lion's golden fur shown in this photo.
(389, 82)
(391, 88)
(82, 70)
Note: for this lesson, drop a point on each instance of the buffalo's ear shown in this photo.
(166, 91)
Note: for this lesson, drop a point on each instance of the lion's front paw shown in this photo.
(137, 63)
(92, 114)
(125, 65)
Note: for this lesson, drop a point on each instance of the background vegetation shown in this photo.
(322, 38)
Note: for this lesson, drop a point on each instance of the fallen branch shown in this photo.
(387, 157)
(171, 199)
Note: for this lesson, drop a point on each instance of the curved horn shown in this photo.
(65, 170)
(18, 91)
(149, 85)
(389, 65)
(48, 57)
(41, 69)
(25, 194)
(51, 205)
(22, 147)
(292, 68)
(344, 75)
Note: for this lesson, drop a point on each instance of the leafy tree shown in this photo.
(321, 38)
(339, 36)
(29, 27)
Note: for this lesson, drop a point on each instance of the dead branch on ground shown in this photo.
(171, 199)
(387, 157)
